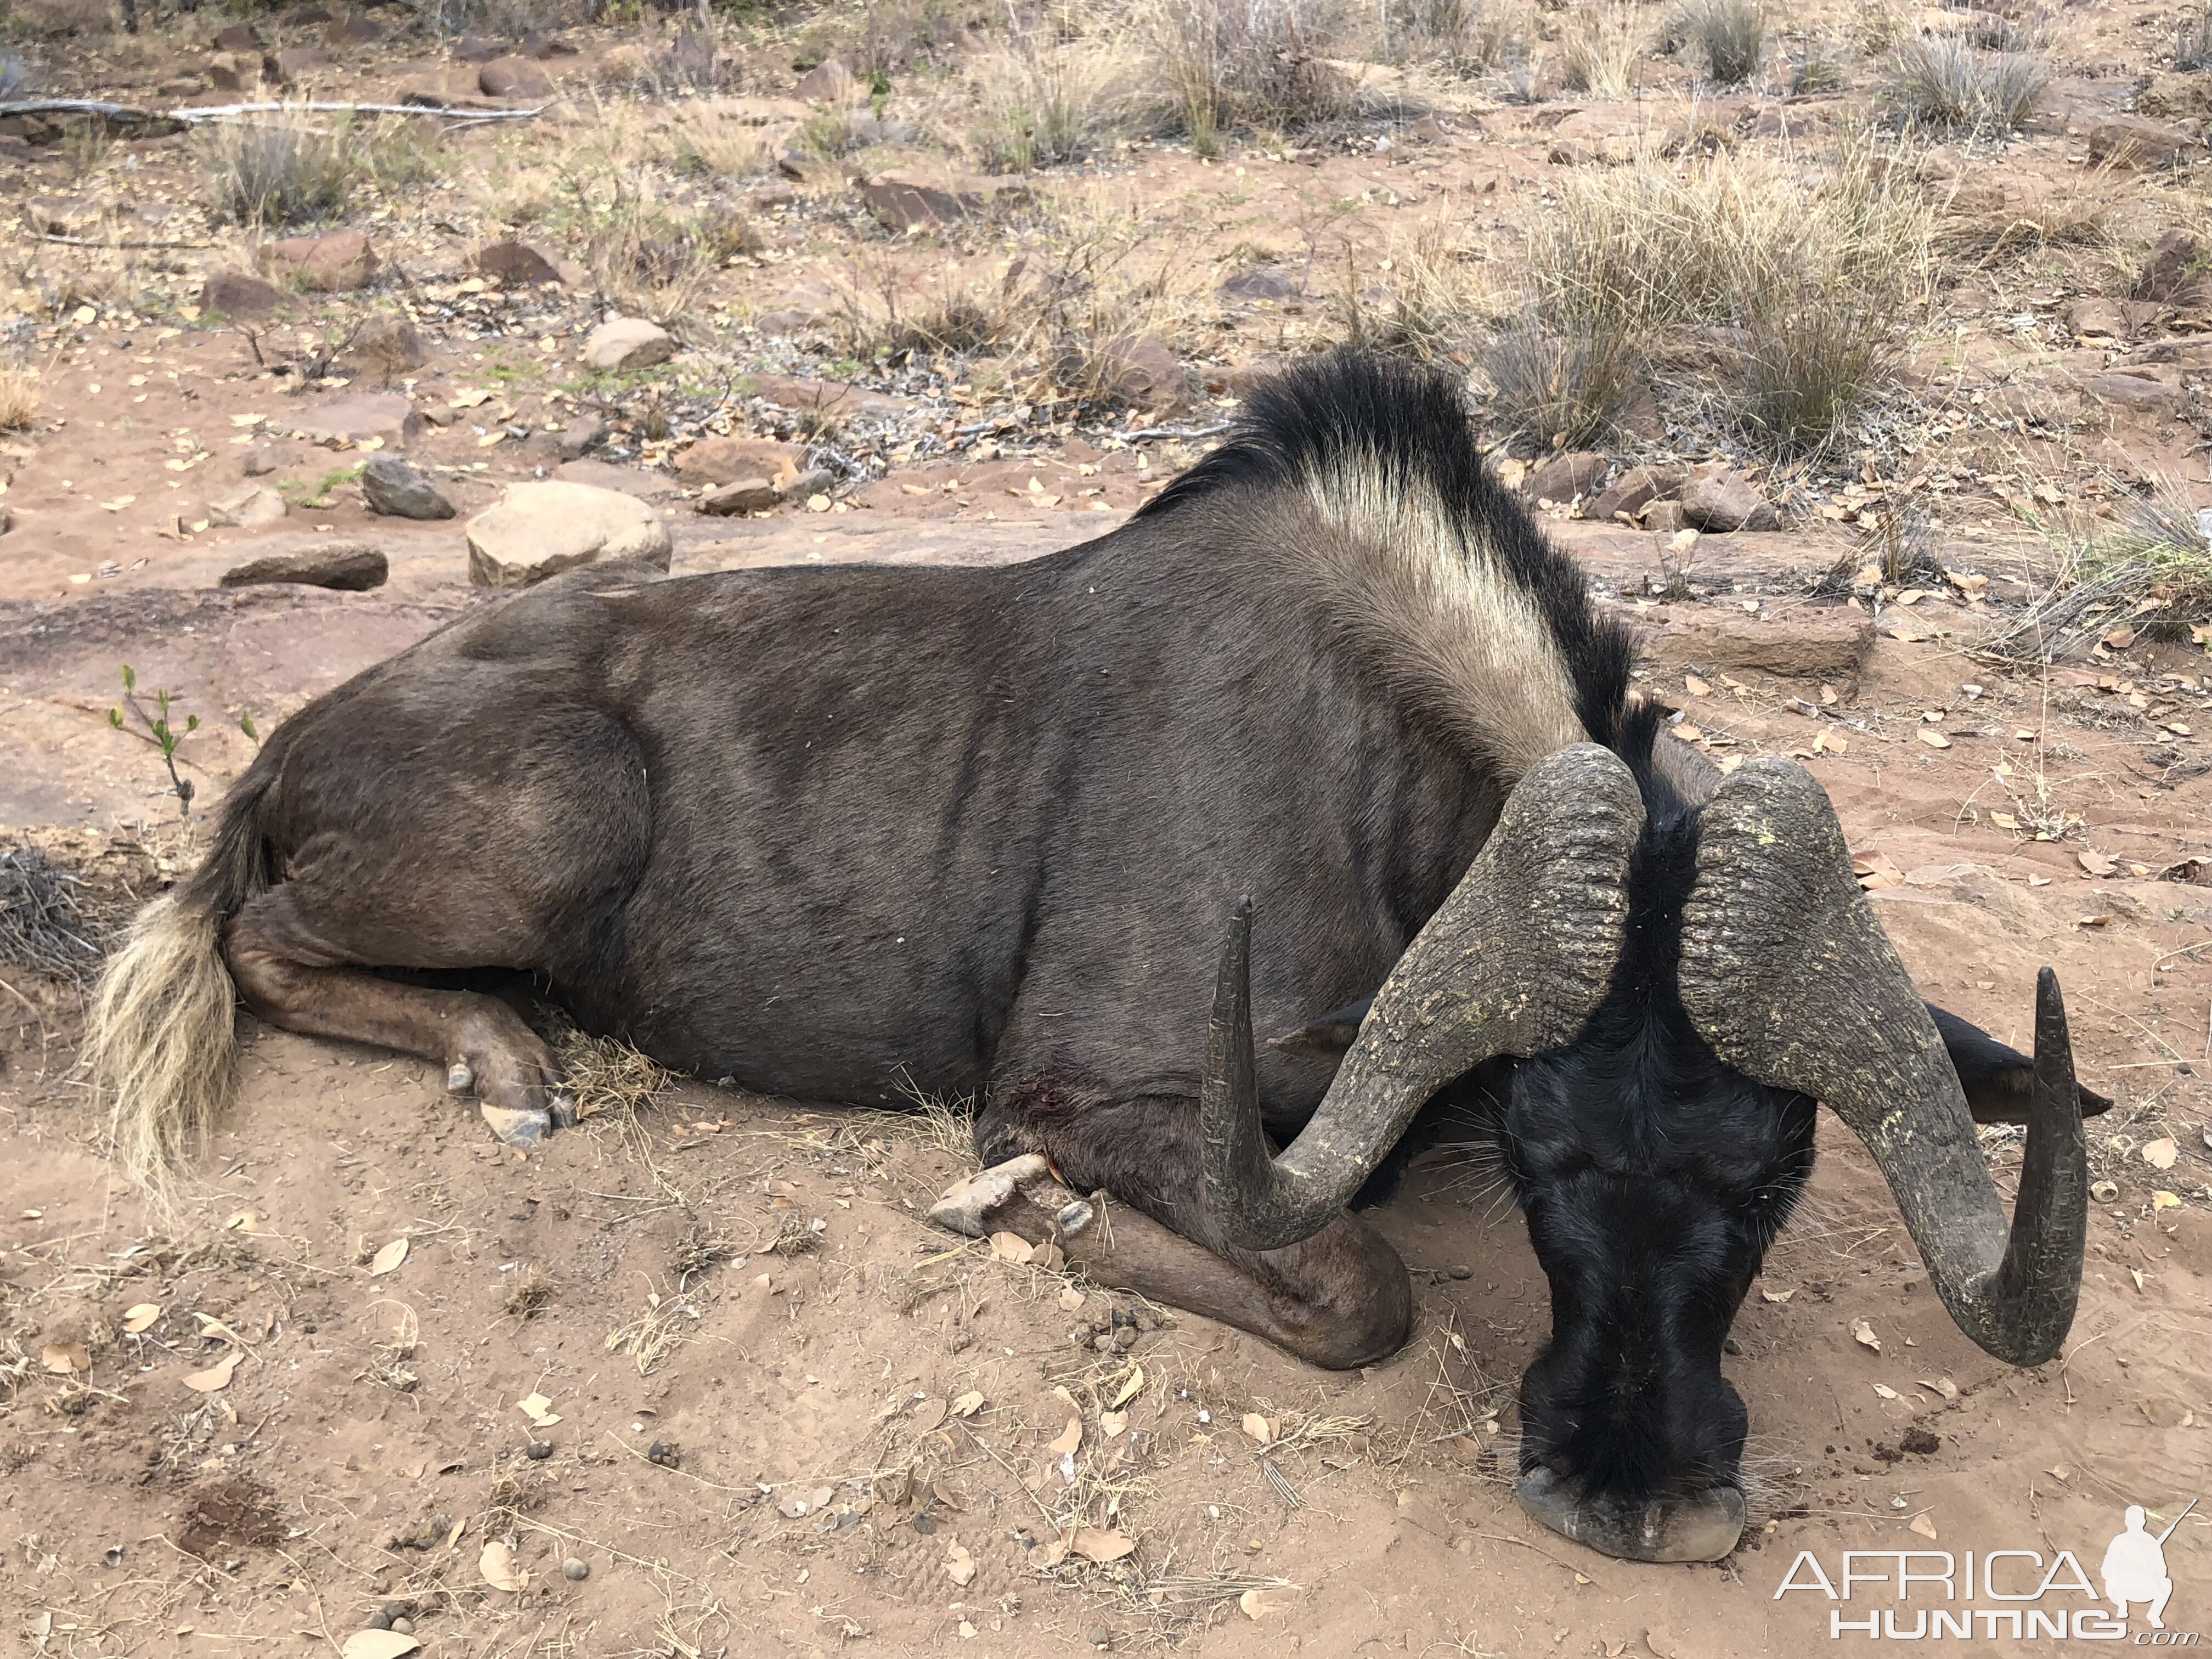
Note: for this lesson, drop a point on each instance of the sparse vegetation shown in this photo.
(1219, 64)
(1730, 35)
(19, 395)
(1602, 47)
(1045, 99)
(286, 169)
(2192, 40)
(1821, 67)
(1559, 387)
(649, 257)
(158, 731)
(1946, 81)
(1428, 296)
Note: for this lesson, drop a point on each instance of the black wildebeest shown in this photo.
(828, 831)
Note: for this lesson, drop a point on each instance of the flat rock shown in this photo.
(2139, 392)
(516, 264)
(2096, 319)
(352, 567)
(1810, 645)
(579, 434)
(238, 37)
(740, 495)
(355, 30)
(2179, 268)
(905, 203)
(399, 489)
(626, 480)
(1727, 502)
(356, 416)
(236, 293)
(2177, 97)
(324, 264)
(249, 506)
(1143, 371)
(475, 49)
(1636, 490)
(260, 460)
(234, 71)
(388, 346)
(1258, 282)
(628, 342)
(514, 77)
(1567, 477)
(290, 63)
(827, 83)
(539, 529)
(2129, 141)
(724, 461)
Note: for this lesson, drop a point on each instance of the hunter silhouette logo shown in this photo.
(2134, 1567)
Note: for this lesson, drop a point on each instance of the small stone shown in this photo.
(574, 1570)
(348, 567)
(1460, 1273)
(662, 1453)
(1566, 478)
(381, 1619)
(1665, 516)
(740, 495)
(1634, 490)
(1099, 1636)
(805, 486)
(514, 77)
(538, 530)
(1727, 502)
(579, 434)
(335, 263)
(234, 71)
(1142, 370)
(238, 37)
(827, 83)
(234, 294)
(901, 204)
(628, 342)
(726, 460)
(7, 518)
(358, 416)
(1258, 282)
(537, 1451)
(403, 1626)
(396, 488)
(388, 345)
(249, 506)
(260, 460)
(475, 49)
(515, 263)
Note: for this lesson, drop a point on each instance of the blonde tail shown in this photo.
(159, 1039)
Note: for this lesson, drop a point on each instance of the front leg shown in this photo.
(1340, 1298)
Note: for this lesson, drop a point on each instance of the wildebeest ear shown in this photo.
(1328, 1036)
(1995, 1079)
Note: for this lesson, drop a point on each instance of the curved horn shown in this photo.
(1787, 973)
(1513, 962)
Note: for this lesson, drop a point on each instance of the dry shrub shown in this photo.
(1221, 63)
(1045, 99)
(1475, 33)
(1729, 34)
(1947, 81)
(647, 258)
(1603, 48)
(283, 169)
(2077, 213)
(1823, 66)
(19, 396)
(2192, 40)
(1429, 295)
(713, 143)
(2151, 569)
(1561, 387)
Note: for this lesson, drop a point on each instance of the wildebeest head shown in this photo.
(1676, 995)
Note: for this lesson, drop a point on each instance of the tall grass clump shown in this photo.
(2192, 40)
(1217, 64)
(1946, 81)
(1045, 99)
(1730, 35)
(1602, 47)
(19, 396)
(1429, 295)
(283, 170)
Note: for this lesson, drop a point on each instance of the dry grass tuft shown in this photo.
(2076, 213)
(1217, 64)
(2151, 570)
(19, 396)
(2192, 40)
(287, 168)
(1823, 66)
(1429, 295)
(1561, 388)
(527, 1296)
(707, 142)
(1730, 35)
(1603, 48)
(1046, 99)
(646, 258)
(1947, 81)
(42, 926)
(607, 1075)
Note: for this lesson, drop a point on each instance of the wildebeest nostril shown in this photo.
(1703, 1527)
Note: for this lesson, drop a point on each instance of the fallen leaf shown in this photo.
(1254, 1605)
(1942, 1385)
(1127, 1391)
(2120, 638)
(968, 1404)
(2004, 820)
(1012, 1248)
(1923, 1525)
(244, 1222)
(217, 1376)
(2095, 863)
(1934, 738)
(1776, 1295)
(1886, 1391)
(1830, 742)
(2163, 1200)
(377, 1645)
(497, 1566)
(1862, 1333)
(1664, 1642)
(137, 1319)
(1257, 1427)
(1093, 1544)
(2092, 922)
(65, 1358)
(1687, 732)
(538, 1409)
(928, 1415)
(959, 1564)
(1696, 687)
(2161, 1153)
(1049, 1554)
(1070, 1299)
(388, 1258)
(1070, 1438)
(1111, 1423)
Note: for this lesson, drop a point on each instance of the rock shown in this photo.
(355, 30)
(514, 77)
(1142, 370)
(724, 461)
(2138, 392)
(238, 37)
(323, 264)
(621, 64)
(808, 308)
(626, 480)
(544, 46)
(867, 130)
(900, 203)
(575, 1571)
(2129, 141)
(690, 61)
(1258, 282)
(290, 63)
(234, 71)
(388, 345)
(246, 507)
(1634, 490)
(1567, 477)
(358, 416)
(2097, 319)
(236, 295)
(579, 434)
(539, 529)
(1664, 517)
(628, 342)
(350, 567)
(2176, 97)
(2044, 403)
(827, 83)
(2177, 265)
(7, 517)
(1727, 502)
(1810, 645)
(475, 49)
(742, 496)
(515, 263)
(399, 489)
(260, 460)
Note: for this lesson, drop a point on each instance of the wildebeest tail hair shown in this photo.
(162, 1025)
(1448, 584)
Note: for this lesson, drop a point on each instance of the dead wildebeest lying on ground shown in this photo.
(829, 831)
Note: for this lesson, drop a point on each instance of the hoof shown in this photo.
(459, 1078)
(517, 1127)
(1074, 1216)
(562, 1106)
(968, 1202)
